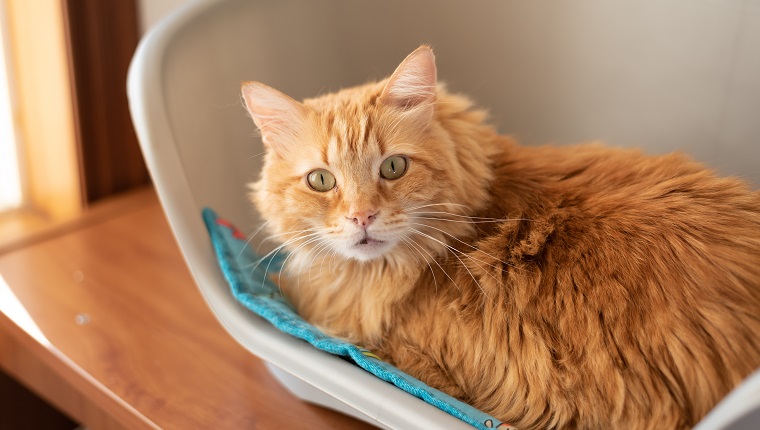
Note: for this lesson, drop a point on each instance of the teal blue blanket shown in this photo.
(253, 288)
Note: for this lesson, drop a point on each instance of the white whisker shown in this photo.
(274, 252)
(469, 217)
(463, 254)
(330, 248)
(467, 244)
(406, 242)
(458, 220)
(251, 236)
(282, 268)
(321, 245)
(289, 232)
(319, 249)
(437, 264)
(452, 249)
(437, 204)
(256, 263)
(332, 261)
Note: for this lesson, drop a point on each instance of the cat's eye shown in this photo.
(394, 167)
(321, 180)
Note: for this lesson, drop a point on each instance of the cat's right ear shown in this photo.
(278, 117)
(412, 87)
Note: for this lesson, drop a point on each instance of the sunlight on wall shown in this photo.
(10, 182)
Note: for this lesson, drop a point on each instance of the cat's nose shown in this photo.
(363, 218)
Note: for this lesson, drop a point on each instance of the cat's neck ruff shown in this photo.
(335, 292)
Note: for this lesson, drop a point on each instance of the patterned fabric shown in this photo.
(246, 274)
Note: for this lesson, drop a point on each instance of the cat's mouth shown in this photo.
(369, 241)
(368, 248)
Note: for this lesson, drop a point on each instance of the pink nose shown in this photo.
(363, 218)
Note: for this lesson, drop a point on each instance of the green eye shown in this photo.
(394, 167)
(321, 180)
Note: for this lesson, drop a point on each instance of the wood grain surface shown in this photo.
(105, 322)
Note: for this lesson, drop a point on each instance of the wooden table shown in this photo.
(102, 319)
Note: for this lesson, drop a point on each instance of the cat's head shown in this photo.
(368, 173)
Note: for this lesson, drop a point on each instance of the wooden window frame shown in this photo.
(69, 60)
(102, 37)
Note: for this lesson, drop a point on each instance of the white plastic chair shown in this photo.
(202, 150)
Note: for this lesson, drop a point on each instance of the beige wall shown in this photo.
(659, 74)
(152, 11)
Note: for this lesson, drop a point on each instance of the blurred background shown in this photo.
(662, 75)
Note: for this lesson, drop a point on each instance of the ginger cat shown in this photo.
(551, 287)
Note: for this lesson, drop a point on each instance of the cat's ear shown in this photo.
(279, 117)
(412, 86)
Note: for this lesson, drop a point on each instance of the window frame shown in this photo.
(75, 140)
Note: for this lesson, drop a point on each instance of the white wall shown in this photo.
(659, 74)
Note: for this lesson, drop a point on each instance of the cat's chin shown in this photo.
(368, 250)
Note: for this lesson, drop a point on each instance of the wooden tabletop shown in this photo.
(102, 319)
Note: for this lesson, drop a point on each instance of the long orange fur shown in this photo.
(553, 287)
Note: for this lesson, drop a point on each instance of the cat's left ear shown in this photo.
(412, 87)
(278, 117)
